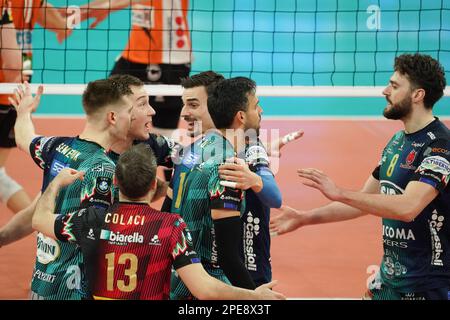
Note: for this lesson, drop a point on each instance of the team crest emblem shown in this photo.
(103, 185)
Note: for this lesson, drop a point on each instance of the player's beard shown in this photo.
(398, 110)
(255, 127)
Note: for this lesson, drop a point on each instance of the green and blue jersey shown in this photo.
(59, 270)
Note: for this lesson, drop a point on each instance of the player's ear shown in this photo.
(418, 95)
(154, 184)
(111, 117)
(240, 117)
(115, 182)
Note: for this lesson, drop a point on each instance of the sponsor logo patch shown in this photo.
(56, 167)
(118, 238)
(256, 155)
(48, 250)
(154, 241)
(437, 164)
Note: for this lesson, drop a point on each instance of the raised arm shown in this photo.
(274, 147)
(25, 104)
(51, 18)
(100, 9)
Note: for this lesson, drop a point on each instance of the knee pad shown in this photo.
(8, 186)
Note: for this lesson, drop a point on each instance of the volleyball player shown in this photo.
(20, 225)
(195, 113)
(211, 211)
(59, 270)
(163, 147)
(412, 177)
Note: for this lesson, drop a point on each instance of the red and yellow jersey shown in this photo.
(128, 249)
(160, 33)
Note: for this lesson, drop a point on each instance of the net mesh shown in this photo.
(287, 43)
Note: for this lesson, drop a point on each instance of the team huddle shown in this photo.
(100, 237)
(105, 240)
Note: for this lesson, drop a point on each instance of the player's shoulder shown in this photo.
(98, 164)
(169, 217)
(44, 147)
(438, 131)
(434, 136)
(91, 215)
(256, 154)
(51, 141)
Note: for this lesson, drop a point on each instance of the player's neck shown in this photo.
(92, 132)
(121, 146)
(418, 120)
(145, 199)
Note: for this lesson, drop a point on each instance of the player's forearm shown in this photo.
(43, 217)
(398, 207)
(270, 194)
(227, 241)
(333, 212)
(19, 226)
(205, 287)
(258, 183)
(24, 131)
(112, 5)
(50, 18)
(214, 289)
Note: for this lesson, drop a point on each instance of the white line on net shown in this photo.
(267, 91)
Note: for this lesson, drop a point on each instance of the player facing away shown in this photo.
(408, 189)
(130, 247)
(59, 269)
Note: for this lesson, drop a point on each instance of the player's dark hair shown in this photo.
(202, 79)
(136, 171)
(227, 98)
(103, 92)
(423, 72)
